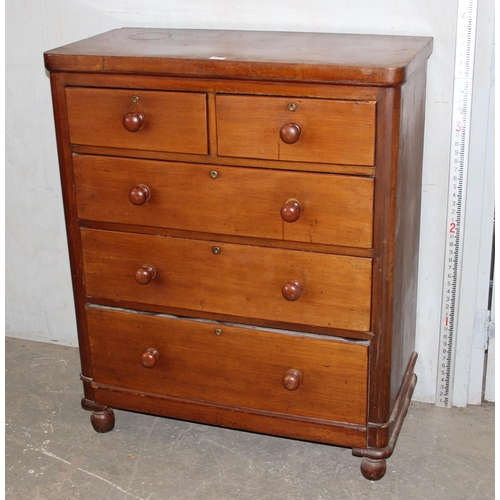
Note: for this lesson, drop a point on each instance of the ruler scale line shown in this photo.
(459, 148)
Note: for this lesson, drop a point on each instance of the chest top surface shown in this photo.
(374, 60)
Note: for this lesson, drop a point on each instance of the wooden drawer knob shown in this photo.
(149, 357)
(134, 121)
(291, 290)
(292, 379)
(290, 211)
(145, 274)
(290, 133)
(139, 194)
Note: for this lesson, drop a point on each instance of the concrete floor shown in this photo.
(53, 453)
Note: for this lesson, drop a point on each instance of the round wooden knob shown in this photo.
(291, 380)
(139, 194)
(291, 290)
(149, 357)
(290, 211)
(290, 133)
(145, 274)
(134, 121)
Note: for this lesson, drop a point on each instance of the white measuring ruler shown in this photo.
(459, 159)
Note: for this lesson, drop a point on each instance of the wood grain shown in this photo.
(240, 281)
(375, 60)
(239, 367)
(331, 131)
(173, 121)
(335, 209)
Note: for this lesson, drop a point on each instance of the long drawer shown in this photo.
(294, 374)
(138, 119)
(290, 206)
(303, 288)
(296, 129)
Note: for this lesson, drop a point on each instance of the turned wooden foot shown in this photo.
(373, 469)
(102, 417)
(373, 465)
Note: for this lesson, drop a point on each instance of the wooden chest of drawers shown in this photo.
(242, 212)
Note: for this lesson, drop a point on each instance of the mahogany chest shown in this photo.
(242, 213)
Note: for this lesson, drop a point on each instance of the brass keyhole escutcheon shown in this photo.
(135, 98)
(218, 332)
(214, 174)
(292, 106)
(216, 250)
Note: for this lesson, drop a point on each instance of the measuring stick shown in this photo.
(459, 158)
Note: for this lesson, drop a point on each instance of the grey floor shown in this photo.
(52, 452)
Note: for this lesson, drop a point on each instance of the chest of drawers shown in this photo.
(242, 212)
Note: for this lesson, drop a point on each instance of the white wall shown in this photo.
(38, 295)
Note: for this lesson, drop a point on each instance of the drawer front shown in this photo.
(329, 131)
(235, 366)
(171, 121)
(290, 206)
(236, 280)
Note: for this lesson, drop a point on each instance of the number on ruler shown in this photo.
(464, 62)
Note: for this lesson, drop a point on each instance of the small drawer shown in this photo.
(174, 122)
(290, 206)
(288, 286)
(296, 129)
(295, 374)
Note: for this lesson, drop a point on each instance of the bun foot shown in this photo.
(103, 421)
(102, 418)
(373, 469)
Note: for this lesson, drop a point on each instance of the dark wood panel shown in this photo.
(316, 430)
(396, 235)
(407, 230)
(72, 227)
(388, 105)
